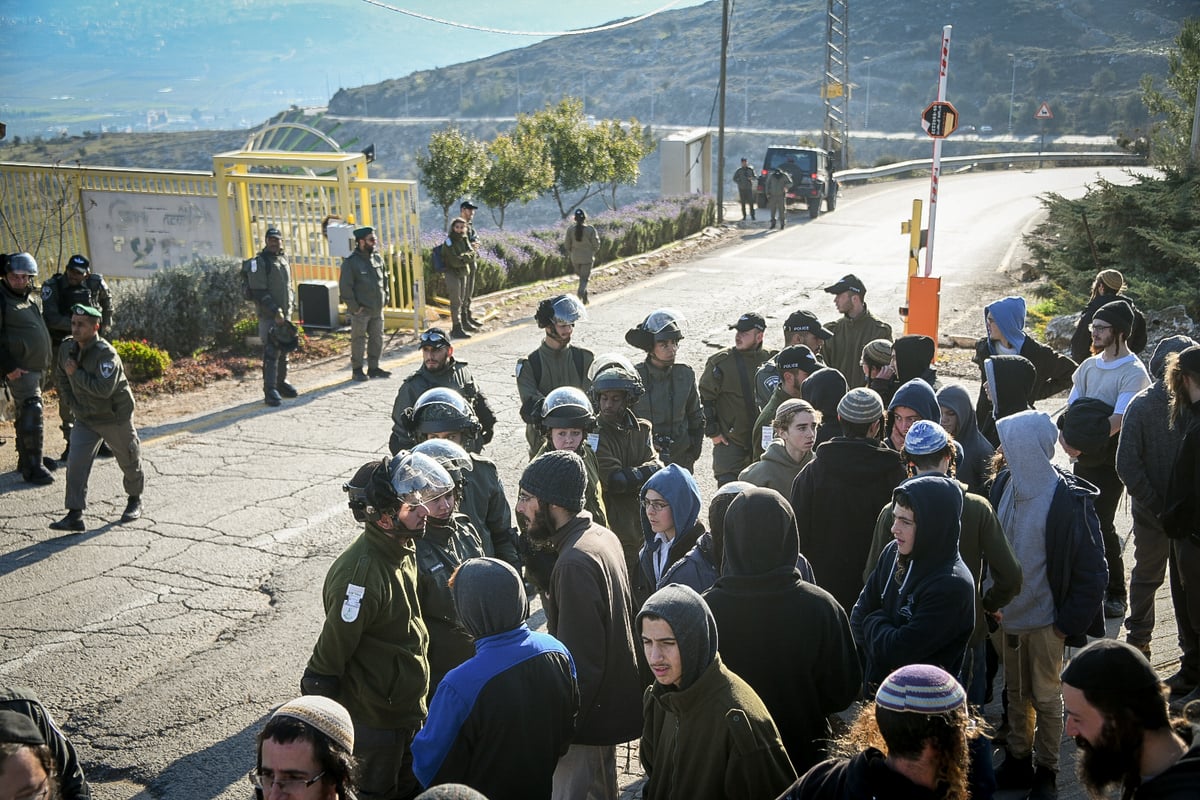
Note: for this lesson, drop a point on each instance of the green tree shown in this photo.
(520, 171)
(572, 147)
(1177, 105)
(453, 167)
(626, 147)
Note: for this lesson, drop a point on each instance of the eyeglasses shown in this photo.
(264, 780)
(655, 505)
(42, 792)
(1099, 327)
(524, 497)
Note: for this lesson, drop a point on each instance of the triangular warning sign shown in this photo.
(1044, 112)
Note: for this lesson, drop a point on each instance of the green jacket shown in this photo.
(456, 376)
(98, 392)
(363, 282)
(981, 539)
(583, 251)
(672, 405)
(844, 351)
(776, 469)
(458, 253)
(58, 297)
(484, 502)
(439, 552)
(374, 639)
(728, 399)
(766, 417)
(24, 339)
(714, 740)
(624, 445)
(745, 178)
(554, 368)
(777, 184)
(270, 279)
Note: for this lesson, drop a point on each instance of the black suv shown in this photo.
(812, 180)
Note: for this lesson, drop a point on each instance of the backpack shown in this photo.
(247, 294)
(439, 263)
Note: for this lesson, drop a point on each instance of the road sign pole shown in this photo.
(936, 168)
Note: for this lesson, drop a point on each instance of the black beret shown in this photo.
(16, 728)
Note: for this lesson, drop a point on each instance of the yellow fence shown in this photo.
(51, 211)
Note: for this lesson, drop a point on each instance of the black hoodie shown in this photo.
(825, 388)
(806, 667)
(1011, 380)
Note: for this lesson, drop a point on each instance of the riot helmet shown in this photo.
(285, 336)
(566, 407)
(442, 409)
(417, 478)
(453, 458)
(617, 378)
(562, 309)
(660, 325)
(606, 360)
(23, 264)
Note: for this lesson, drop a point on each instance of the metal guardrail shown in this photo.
(901, 167)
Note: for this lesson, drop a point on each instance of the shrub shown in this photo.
(143, 361)
(182, 309)
(245, 327)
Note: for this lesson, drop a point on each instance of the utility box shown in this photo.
(341, 238)
(686, 159)
(319, 304)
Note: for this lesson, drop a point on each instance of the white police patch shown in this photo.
(254, 265)
(353, 602)
(46, 291)
(107, 369)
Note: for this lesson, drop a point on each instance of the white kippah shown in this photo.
(326, 715)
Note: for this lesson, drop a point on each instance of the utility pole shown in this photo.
(1012, 92)
(721, 117)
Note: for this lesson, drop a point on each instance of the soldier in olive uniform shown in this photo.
(624, 453)
(24, 358)
(371, 655)
(459, 257)
(745, 179)
(439, 368)
(856, 328)
(443, 413)
(91, 378)
(801, 327)
(76, 285)
(727, 392)
(671, 401)
(449, 540)
(795, 364)
(466, 210)
(269, 277)
(363, 285)
(776, 187)
(583, 244)
(555, 363)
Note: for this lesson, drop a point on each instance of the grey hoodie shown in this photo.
(1028, 438)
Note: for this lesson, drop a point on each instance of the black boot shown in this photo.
(376, 372)
(359, 375)
(1015, 773)
(270, 372)
(281, 382)
(469, 322)
(34, 469)
(1045, 784)
(133, 509)
(457, 332)
(73, 522)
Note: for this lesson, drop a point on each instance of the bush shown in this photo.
(143, 361)
(517, 258)
(182, 309)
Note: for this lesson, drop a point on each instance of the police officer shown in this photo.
(91, 378)
(76, 285)
(583, 244)
(269, 277)
(801, 327)
(363, 285)
(439, 368)
(371, 653)
(466, 210)
(459, 256)
(776, 188)
(727, 392)
(555, 363)
(24, 357)
(745, 179)
(443, 414)
(671, 400)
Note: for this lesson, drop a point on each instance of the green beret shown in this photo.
(363, 232)
(87, 311)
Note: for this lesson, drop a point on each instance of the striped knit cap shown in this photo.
(921, 688)
(1112, 278)
(327, 716)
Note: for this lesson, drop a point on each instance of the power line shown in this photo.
(468, 26)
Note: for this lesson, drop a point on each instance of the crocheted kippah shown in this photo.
(921, 688)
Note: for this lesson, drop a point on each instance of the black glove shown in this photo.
(325, 685)
(643, 473)
(618, 481)
(485, 415)
(531, 410)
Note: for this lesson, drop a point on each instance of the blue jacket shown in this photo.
(927, 616)
(499, 722)
(1075, 565)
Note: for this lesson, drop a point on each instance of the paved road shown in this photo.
(163, 644)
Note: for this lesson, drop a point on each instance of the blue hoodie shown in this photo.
(927, 616)
(1009, 315)
(679, 489)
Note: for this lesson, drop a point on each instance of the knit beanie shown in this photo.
(16, 728)
(877, 352)
(1111, 278)
(557, 477)
(922, 688)
(1119, 314)
(860, 405)
(1085, 425)
(489, 597)
(1189, 359)
(1110, 665)
(325, 714)
(691, 621)
(925, 437)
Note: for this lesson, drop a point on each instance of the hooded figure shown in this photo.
(914, 359)
(500, 721)
(1007, 337)
(825, 388)
(706, 734)
(679, 489)
(807, 668)
(918, 606)
(918, 395)
(1008, 382)
(977, 450)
